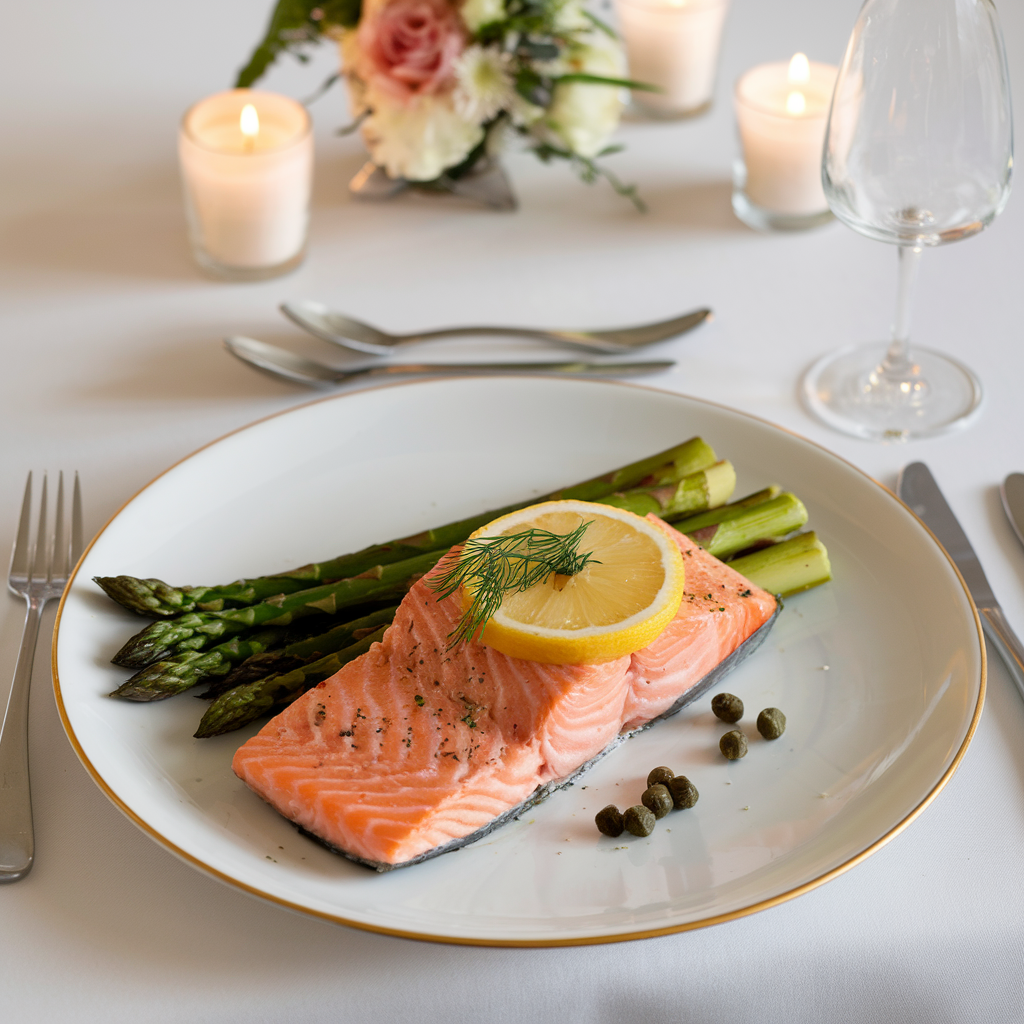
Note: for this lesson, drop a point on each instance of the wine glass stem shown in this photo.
(910, 258)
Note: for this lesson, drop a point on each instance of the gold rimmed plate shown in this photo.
(880, 673)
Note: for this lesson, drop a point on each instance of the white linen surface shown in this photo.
(113, 365)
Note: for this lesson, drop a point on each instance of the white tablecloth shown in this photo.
(113, 366)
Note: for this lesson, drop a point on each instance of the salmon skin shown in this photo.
(413, 750)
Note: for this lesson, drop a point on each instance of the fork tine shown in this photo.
(20, 552)
(76, 525)
(58, 550)
(39, 542)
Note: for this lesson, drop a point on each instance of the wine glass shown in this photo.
(918, 152)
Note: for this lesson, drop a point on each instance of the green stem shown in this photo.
(718, 515)
(705, 489)
(244, 704)
(200, 630)
(176, 674)
(787, 567)
(156, 599)
(303, 651)
(765, 521)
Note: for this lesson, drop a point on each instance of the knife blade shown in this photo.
(917, 487)
(1012, 493)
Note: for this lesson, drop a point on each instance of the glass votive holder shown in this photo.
(247, 169)
(781, 113)
(673, 45)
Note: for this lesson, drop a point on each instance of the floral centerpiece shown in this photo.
(438, 86)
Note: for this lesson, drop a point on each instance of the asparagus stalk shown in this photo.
(176, 674)
(197, 631)
(180, 672)
(156, 599)
(302, 651)
(787, 567)
(765, 521)
(246, 703)
(705, 489)
(718, 515)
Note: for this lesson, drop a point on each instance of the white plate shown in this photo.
(870, 739)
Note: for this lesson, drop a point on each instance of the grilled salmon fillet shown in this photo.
(412, 750)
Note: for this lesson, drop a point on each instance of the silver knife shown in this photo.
(917, 487)
(1012, 493)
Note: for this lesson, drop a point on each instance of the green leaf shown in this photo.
(589, 170)
(601, 26)
(624, 83)
(536, 89)
(292, 26)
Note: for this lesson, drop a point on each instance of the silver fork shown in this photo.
(40, 567)
(339, 329)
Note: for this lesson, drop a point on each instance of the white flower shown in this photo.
(570, 16)
(477, 13)
(523, 112)
(485, 84)
(583, 115)
(418, 141)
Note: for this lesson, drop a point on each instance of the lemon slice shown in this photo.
(617, 604)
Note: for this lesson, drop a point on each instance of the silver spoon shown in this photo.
(323, 322)
(281, 363)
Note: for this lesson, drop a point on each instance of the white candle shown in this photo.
(247, 165)
(673, 44)
(781, 111)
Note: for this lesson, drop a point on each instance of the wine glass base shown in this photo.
(837, 389)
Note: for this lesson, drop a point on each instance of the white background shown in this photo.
(113, 366)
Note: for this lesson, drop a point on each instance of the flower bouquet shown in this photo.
(437, 87)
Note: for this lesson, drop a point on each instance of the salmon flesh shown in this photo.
(413, 750)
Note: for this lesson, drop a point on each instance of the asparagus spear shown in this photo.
(723, 512)
(705, 489)
(182, 671)
(787, 567)
(166, 678)
(199, 630)
(764, 521)
(246, 703)
(156, 599)
(784, 568)
(302, 651)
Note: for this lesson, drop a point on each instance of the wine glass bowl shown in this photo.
(918, 152)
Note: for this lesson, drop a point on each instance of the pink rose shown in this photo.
(409, 46)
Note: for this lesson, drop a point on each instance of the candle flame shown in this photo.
(796, 103)
(799, 69)
(249, 122)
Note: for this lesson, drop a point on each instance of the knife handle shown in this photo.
(998, 630)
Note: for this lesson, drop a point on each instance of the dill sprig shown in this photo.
(497, 566)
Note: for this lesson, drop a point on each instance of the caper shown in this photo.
(609, 821)
(639, 820)
(683, 792)
(727, 706)
(661, 775)
(733, 744)
(771, 723)
(658, 799)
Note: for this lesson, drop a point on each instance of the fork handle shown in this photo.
(582, 339)
(17, 843)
